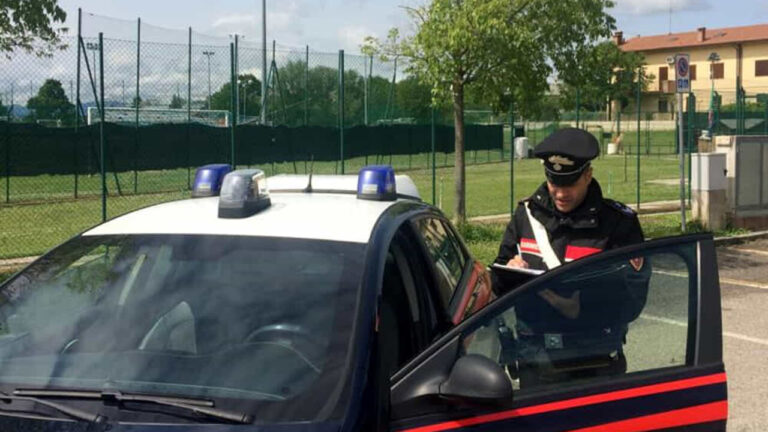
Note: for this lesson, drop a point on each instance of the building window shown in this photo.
(718, 71)
(663, 77)
(692, 72)
(663, 106)
(761, 68)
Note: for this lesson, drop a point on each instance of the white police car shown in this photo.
(325, 303)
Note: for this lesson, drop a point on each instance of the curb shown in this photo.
(739, 239)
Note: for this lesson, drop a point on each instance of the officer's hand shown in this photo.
(517, 261)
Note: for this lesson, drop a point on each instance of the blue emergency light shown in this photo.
(208, 180)
(377, 182)
(243, 193)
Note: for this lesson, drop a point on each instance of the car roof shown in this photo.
(332, 213)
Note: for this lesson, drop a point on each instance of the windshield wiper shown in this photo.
(72, 412)
(199, 406)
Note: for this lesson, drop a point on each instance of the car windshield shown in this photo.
(258, 322)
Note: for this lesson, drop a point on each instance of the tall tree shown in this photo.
(25, 22)
(176, 102)
(602, 73)
(51, 102)
(250, 89)
(504, 49)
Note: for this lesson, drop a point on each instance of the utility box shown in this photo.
(708, 171)
(708, 186)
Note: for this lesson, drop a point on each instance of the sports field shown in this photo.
(43, 211)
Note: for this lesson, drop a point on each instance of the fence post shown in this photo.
(137, 102)
(77, 97)
(341, 109)
(434, 170)
(102, 147)
(511, 161)
(637, 144)
(578, 105)
(8, 158)
(189, 108)
(690, 141)
(233, 85)
(306, 87)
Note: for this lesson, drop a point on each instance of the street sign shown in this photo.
(683, 73)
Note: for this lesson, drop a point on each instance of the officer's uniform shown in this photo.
(547, 238)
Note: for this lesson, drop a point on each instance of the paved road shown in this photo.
(744, 285)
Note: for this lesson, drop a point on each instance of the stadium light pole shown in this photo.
(263, 62)
(208, 55)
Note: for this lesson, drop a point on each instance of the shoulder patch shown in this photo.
(620, 207)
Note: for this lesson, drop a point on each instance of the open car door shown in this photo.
(633, 344)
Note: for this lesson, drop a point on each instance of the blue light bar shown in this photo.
(208, 180)
(377, 182)
(243, 193)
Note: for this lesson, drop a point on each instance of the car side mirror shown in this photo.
(476, 378)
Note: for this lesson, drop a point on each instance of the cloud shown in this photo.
(351, 37)
(652, 7)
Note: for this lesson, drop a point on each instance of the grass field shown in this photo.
(32, 227)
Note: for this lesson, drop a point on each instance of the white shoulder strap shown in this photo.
(542, 240)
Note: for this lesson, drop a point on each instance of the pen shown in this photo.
(519, 252)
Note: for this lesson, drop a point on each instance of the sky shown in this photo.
(329, 25)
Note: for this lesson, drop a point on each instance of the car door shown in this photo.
(656, 304)
(463, 284)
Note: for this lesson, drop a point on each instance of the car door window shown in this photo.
(447, 256)
(617, 316)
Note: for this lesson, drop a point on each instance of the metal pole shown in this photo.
(637, 175)
(263, 61)
(102, 147)
(512, 162)
(341, 109)
(682, 159)
(434, 170)
(138, 104)
(77, 98)
(189, 107)
(365, 94)
(306, 87)
(578, 105)
(208, 55)
(233, 108)
(236, 101)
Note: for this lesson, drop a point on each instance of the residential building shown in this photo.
(741, 55)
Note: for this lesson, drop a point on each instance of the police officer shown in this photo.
(565, 219)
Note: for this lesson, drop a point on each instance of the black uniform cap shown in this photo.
(566, 153)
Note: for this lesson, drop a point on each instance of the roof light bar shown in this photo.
(208, 180)
(244, 193)
(377, 183)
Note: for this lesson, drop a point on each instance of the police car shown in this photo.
(331, 303)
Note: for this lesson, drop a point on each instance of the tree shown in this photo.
(25, 22)
(250, 89)
(177, 102)
(503, 49)
(602, 73)
(51, 102)
(137, 102)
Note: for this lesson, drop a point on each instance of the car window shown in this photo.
(447, 256)
(617, 316)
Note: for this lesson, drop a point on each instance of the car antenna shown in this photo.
(308, 189)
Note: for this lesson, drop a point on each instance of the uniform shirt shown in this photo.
(598, 224)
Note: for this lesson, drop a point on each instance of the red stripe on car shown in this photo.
(576, 402)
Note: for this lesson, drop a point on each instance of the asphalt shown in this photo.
(744, 288)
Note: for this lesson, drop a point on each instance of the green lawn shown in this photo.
(29, 228)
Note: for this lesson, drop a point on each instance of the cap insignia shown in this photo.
(558, 161)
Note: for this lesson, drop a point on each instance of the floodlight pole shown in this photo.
(263, 62)
(208, 55)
